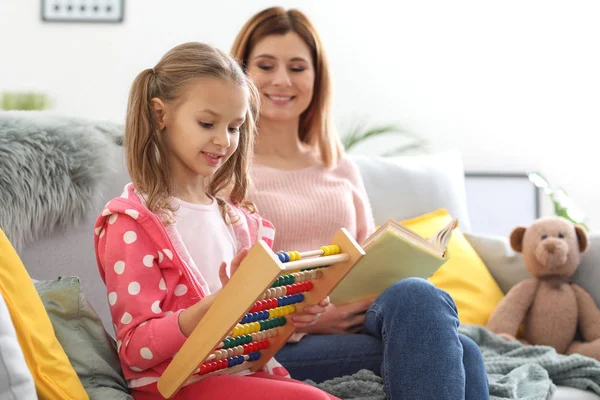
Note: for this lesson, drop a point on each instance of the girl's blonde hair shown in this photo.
(145, 150)
(316, 125)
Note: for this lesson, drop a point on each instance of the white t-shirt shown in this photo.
(208, 239)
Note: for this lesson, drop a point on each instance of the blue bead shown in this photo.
(281, 257)
(287, 257)
(281, 301)
(300, 297)
(245, 320)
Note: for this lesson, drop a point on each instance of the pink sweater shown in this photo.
(308, 206)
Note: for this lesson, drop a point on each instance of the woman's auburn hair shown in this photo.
(316, 125)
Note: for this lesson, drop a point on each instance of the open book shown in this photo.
(393, 252)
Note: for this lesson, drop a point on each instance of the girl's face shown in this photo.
(282, 68)
(202, 126)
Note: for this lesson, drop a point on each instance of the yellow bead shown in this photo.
(325, 250)
(335, 249)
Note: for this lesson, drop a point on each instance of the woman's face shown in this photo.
(282, 68)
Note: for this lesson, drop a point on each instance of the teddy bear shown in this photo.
(549, 307)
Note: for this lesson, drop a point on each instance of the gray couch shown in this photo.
(437, 179)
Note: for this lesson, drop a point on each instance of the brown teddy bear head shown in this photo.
(551, 246)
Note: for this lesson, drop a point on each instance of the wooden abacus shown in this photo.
(248, 321)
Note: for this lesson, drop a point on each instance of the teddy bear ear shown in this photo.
(582, 238)
(516, 238)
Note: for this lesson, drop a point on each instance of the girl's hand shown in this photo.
(191, 316)
(347, 318)
(310, 314)
(235, 263)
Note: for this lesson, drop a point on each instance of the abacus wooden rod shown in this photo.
(315, 262)
(311, 253)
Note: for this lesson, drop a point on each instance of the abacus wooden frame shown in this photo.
(256, 273)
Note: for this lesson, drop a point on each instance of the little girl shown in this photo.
(162, 247)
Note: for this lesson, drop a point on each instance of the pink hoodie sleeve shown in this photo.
(146, 334)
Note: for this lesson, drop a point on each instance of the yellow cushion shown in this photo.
(464, 276)
(55, 378)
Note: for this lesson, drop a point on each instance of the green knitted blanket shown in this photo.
(514, 371)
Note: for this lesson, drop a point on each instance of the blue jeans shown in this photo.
(409, 338)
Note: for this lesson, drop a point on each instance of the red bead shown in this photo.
(213, 366)
(203, 369)
(309, 286)
(255, 308)
(222, 364)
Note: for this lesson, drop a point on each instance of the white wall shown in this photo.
(513, 84)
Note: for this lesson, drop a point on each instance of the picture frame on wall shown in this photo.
(83, 11)
(499, 202)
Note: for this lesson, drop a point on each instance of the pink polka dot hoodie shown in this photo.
(149, 280)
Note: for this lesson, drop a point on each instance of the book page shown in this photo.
(436, 244)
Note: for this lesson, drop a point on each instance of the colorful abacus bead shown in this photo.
(287, 256)
(330, 250)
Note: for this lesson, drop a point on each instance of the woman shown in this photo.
(305, 185)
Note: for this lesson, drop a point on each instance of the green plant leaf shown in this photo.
(563, 204)
(360, 133)
(405, 148)
(24, 101)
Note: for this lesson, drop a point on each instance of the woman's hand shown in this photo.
(310, 315)
(235, 263)
(347, 318)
